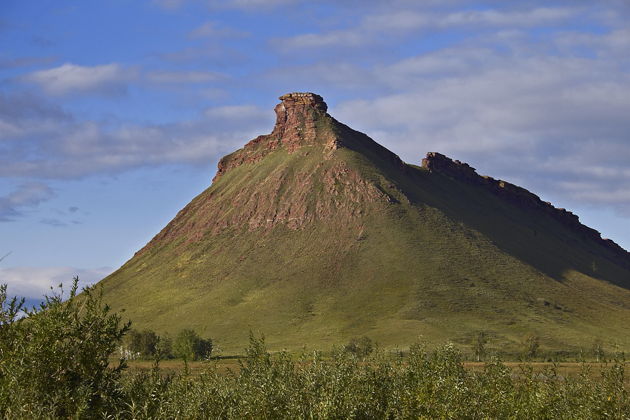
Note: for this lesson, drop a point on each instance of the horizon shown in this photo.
(106, 109)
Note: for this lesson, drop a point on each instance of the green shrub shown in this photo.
(361, 347)
(189, 346)
(142, 343)
(54, 362)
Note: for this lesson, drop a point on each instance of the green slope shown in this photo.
(316, 234)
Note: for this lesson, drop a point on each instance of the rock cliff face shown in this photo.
(297, 118)
(437, 162)
(326, 189)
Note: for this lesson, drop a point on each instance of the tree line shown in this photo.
(147, 344)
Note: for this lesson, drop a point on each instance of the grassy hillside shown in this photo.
(314, 245)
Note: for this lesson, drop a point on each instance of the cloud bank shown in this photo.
(34, 282)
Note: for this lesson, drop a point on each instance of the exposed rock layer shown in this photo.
(296, 119)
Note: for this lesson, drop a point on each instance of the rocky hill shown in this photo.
(315, 234)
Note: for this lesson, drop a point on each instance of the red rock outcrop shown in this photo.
(297, 117)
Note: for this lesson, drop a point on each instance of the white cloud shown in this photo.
(35, 282)
(373, 28)
(402, 20)
(72, 78)
(532, 17)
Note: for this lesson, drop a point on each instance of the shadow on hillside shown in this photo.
(530, 235)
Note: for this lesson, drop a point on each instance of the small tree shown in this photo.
(189, 346)
(143, 342)
(164, 347)
(598, 350)
(362, 347)
(480, 345)
(532, 344)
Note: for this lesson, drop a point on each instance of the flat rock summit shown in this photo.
(315, 234)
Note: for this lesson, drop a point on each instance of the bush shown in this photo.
(427, 385)
(54, 362)
(143, 343)
(479, 345)
(189, 346)
(361, 347)
(531, 342)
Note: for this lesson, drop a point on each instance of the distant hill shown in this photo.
(315, 234)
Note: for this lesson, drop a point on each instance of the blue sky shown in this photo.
(113, 114)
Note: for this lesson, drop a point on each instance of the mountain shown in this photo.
(315, 234)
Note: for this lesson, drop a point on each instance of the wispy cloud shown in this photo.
(71, 78)
(57, 148)
(237, 113)
(25, 197)
(376, 28)
(412, 20)
(338, 38)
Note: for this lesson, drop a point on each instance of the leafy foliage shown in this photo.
(144, 343)
(189, 346)
(423, 385)
(55, 360)
(531, 343)
(479, 345)
(361, 347)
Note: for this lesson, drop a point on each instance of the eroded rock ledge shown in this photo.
(437, 162)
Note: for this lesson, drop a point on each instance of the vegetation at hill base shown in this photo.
(146, 344)
(55, 364)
